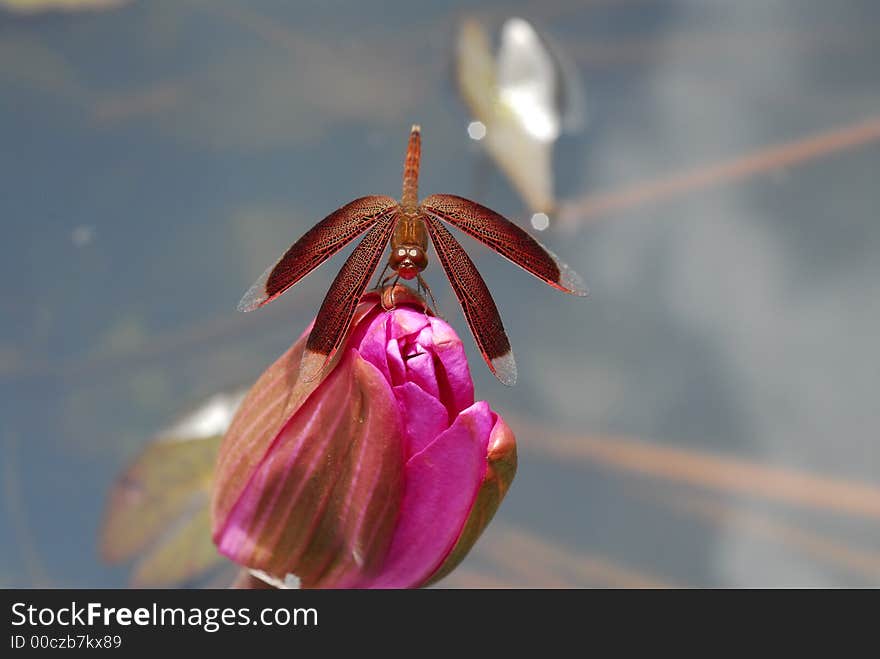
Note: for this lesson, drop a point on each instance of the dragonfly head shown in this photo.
(408, 260)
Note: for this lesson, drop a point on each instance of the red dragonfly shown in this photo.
(407, 225)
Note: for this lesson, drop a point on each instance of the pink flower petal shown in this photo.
(322, 502)
(424, 417)
(268, 406)
(442, 483)
(453, 374)
(395, 363)
(406, 321)
(499, 475)
(420, 369)
(372, 343)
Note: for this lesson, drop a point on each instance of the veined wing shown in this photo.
(339, 304)
(476, 302)
(316, 246)
(504, 237)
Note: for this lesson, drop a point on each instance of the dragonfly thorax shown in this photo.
(409, 247)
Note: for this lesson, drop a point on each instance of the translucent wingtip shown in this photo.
(504, 368)
(251, 300)
(311, 365)
(256, 295)
(416, 128)
(571, 281)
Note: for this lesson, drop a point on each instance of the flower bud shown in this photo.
(382, 474)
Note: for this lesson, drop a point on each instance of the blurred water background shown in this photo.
(707, 417)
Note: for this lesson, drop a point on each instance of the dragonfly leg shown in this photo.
(380, 283)
(423, 285)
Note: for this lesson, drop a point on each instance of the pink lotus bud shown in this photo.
(382, 474)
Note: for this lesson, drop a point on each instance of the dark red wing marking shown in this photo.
(476, 302)
(317, 245)
(504, 237)
(342, 299)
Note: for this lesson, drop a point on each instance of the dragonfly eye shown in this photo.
(413, 253)
(401, 253)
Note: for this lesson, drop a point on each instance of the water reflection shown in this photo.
(157, 512)
(512, 98)
(37, 6)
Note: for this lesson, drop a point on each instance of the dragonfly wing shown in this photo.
(316, 246)
(476, 302)
(337, 310)
(504, 237)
